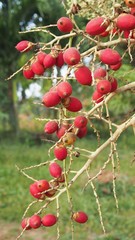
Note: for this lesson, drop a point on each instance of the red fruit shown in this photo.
(35, 221)
(97, 97)
(103, 86)
(71, 56)
(96, 26)
(132, 11)
(59, 60)
(40, 56)
(74, 105)
(24, 46)
(125, 21)
(64, 24)
(49, 220)
(51, 127)
(64, 89)
(116, 66)
(82, 132)
(25, 223)
(37, 68)
(83, 75)
(114, 83)
(104, 34)
(51, 99)
(28, 73)
(130, 3)
(42, 185)
(49, 61)
(109, 56)
(55, 170)
(35, 192)
(61, 131)
(80, 121)
(100, 73)
(80, 217)
(60, 152)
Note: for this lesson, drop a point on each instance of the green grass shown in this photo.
(15, 197)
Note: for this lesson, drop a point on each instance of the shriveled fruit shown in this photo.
(49, 61)
(97, 97)
(28, 73)
(80, 121)
(35, 221)
(53, 188)
(51, 99)
(80, 217)
(71, 56)
(69, 138)
(49, 220)
(96, 26)
(74, 105)
(130, 3)
(64, 24)
(60, 152)
(83, 75)
(61, 179)
(25, 224)
(24, 46)
(109, 56)
(64, 89)
(100, 73)
(103, 86)
(37, 68)
(42, 185)
(55, 170)
(125, 21)
(51, 127)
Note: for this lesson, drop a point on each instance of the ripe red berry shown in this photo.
(24, 46)
(80, 217)
(103, 86)
(64, 89)
(100, 73)
(74, 105)
(49, 220)
(71, 56)
(42, 185)
(35, 192)
(49, 61)
(96, 26)
(80, 121)
(97, 97)
(109, 56)
(40, 56)
(82, 132)
(60, 152)
(83, 75)
(59, 60)
(51, 127)
(51, 99)
(104, 34)
(37, 68)
(35, 221)
(114, 83)
(116, 66)
(55, 170)
(25, 224)
(125, 21)
(28, 73)
(64, 24)
(61, 131)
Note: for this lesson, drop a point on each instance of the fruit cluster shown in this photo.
(99, 75)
